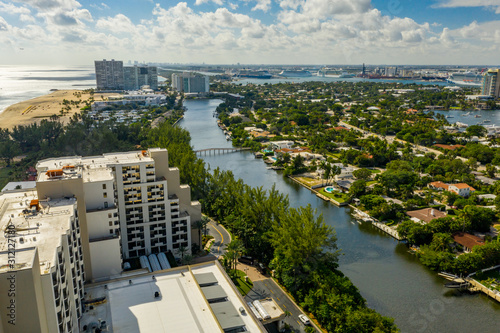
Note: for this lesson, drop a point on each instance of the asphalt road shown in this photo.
(269, 288)
(221, 238)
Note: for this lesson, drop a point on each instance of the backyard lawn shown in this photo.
(337, 196)
(490, 279)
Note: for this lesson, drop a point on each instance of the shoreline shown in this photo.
(61, 103)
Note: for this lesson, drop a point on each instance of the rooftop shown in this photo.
(40, 228)
(467, 240)
(182, 305)
(91, 168)
(426, 214)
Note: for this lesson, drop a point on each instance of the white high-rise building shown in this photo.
(190, 83)
(491, 83)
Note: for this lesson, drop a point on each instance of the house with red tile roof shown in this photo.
(425, 215)
(448, 147)
(468, 241)
(440, 186)
(461, 189)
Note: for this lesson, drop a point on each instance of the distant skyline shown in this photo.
(68, 32)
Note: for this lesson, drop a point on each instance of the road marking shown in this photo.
(298, 322)
(271, 291)
(278, 299)
(222, 241)
(284, 306)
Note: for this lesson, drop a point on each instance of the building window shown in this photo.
(103, 186)
(109, 215)
(105, 195)
(105, 204)
(111, 231)
(110, 223)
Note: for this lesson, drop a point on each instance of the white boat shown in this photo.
(449, 116)
(477, 116)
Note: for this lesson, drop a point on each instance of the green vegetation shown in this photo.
(490, 279)
(243, 286)
(337, 196)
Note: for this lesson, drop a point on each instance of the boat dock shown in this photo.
(360, 215)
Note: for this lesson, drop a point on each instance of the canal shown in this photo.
(392, 280)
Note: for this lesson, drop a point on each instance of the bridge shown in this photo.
(219, 150)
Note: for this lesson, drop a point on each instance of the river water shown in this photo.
(393, 282)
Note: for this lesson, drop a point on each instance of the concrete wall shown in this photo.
(98, 223)
(109, 264)
(96, 196)
(28, 299)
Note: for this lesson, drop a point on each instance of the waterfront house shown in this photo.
(425, 215)
(281, 144)
(468, 241)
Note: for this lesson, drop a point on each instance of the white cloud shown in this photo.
(201, 2)
(50, 5)
(4, 26)
(495, 4)
(303, 31)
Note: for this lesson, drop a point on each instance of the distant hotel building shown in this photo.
(112, 75)
(491, 83)
(83, 217)
(190, 83)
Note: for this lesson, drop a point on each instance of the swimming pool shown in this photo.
(330, 189)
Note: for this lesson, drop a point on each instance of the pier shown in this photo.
(219, 150)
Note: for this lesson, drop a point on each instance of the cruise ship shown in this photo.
(295, 73)
(470, 79)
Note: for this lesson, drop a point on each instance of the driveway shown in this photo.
(268, 288)
(221, 238)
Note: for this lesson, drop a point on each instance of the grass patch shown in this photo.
(308, 181)
(374, 171)
(490, 279)
(238, 278)
(337, 196)
(371, 182)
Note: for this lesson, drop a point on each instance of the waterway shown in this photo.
(393, 282)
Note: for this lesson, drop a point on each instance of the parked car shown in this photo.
(262, 268)
(246, 260)
(304, 319)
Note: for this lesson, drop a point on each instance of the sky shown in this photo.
(319, 32)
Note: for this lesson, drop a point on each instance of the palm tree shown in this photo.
(205, 220)
(182, 251)
(198, 225)
(236, 248)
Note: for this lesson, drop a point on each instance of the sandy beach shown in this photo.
(43, 107)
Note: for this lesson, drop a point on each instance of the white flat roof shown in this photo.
(132, 307)
(41, 229)
(91, 168)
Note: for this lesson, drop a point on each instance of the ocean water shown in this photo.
(20, 83)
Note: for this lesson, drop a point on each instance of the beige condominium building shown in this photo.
(41, 264)
(85, 216)
(130, 204)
